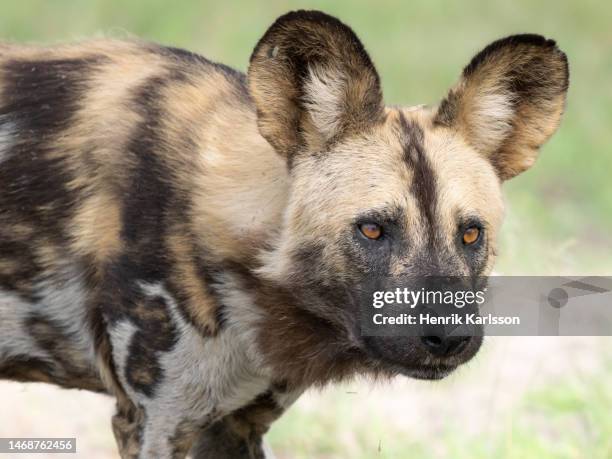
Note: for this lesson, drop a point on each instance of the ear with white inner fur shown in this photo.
(509, 101)
(312, 83)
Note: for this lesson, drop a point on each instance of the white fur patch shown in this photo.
(204, 378)
(325, 94)
(61, 300)
(121, 336)
(14, 338)
(8, 133)
(490, 118)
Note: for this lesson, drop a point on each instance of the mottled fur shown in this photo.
(186, 238)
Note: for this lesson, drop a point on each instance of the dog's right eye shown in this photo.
(371, 230)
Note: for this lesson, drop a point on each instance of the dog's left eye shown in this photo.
(371, 230)
(471, 235)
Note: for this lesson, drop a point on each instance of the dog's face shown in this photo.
(380, 194)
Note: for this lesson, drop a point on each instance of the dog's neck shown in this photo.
(243, 187)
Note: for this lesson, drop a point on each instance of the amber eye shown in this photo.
(471, 235)
(370, 230)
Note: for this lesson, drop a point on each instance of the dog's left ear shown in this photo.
(509, 101)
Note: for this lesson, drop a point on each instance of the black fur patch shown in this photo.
(123, 299)
(69, 370)
(151, 195)
(424, 179)
(447, 111)
(40, 99)
(155, 334)
(25, 368)
(27, 269)
(511, 41)
(43, 95)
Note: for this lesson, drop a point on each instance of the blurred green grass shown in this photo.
(569, 419)
(560, 215)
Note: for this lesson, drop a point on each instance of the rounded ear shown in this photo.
(509, 101)
(312, 83)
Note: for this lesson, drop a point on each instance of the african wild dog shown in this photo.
(183, 236)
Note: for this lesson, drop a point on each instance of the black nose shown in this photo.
(445, 346)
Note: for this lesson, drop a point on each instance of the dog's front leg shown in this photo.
(239, 435)
(229, 439)
(127, 427)
(142, 436)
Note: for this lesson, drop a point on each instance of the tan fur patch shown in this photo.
(96, 227)
(252, 205)
(200, 307)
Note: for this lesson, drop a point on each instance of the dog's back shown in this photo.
(97, 149)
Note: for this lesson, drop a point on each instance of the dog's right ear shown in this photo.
(312, 82)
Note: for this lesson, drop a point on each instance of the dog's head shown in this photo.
(383, 192)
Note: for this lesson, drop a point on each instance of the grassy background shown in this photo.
(567, 420)
(560, 213)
